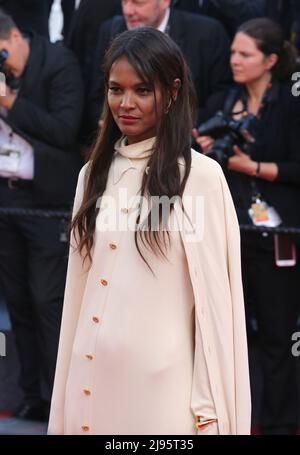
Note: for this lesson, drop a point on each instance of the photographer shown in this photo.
(264, 178)
(39, 164)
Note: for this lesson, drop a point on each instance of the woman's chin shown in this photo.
(240, 78)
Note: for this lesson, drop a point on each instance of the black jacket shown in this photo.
(84, 30)
(47, 113)
(287, 13)
(231, 13)
(203, 42)
(28, 14)
(280, 11)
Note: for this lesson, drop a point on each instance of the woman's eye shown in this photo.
(114, 89)
(144, 90)
(246, 55)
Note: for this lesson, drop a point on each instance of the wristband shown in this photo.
(257, 172)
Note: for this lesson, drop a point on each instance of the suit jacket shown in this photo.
(68, 10)
(47, 114)
(203, 42)
(213, 255)
(28, 14)
(84, 30)
(231, 13)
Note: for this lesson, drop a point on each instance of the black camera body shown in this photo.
(228, 132)
(10, 80)
(3, 57)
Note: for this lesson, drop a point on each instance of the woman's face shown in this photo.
(135, 107)
(248, 63)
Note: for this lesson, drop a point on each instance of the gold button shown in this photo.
(124, 210)
(96, 320)
(85, 428)
(89, 357)
(112, 246)
(87, 392)
(104, 282)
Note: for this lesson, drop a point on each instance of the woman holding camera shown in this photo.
(264, 178)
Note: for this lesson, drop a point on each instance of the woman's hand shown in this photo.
(7, 97)
(205, 142)
(241, 162)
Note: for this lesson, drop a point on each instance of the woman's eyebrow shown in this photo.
(138, 84)
(113, 82)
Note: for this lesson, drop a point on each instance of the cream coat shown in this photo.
(213, 253)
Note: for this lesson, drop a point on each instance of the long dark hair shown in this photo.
(157, 60)
(269, 39)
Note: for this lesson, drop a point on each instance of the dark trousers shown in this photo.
(33, 264)
(273, 293)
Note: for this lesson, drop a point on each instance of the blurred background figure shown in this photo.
(34, 15)
(29, 14)
(231, 13)
(202, 40)
(39, 163)
(68, 8)
(84, 30)
(287, 14)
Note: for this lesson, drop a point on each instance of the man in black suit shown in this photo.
(28, 14)
(39, 163)
(68, 8)
(202, 40)
(84, 31)
(231, 13)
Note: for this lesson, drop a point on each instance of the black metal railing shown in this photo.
(42, 213)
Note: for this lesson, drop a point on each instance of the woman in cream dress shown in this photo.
(150, 344)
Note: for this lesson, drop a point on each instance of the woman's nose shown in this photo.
(127, 100)
(234, 60)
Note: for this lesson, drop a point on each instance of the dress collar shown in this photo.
(134, 156)
(137, 151)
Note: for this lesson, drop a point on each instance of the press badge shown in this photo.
(10, 157)
(262, 214)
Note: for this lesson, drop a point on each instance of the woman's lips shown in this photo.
(128, 119)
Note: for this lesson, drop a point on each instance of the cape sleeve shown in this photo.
(240, 345)
(221, 386)
(74, 290)
(202, 402)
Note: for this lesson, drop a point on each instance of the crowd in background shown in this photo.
(52, 113)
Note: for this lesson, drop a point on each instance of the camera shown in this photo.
(228, 132)
(3, 57)
(11, 81)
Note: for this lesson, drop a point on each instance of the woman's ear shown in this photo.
(272, 59)
(176, 87)
(174, 93)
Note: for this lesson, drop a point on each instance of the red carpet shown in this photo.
(5, 414)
